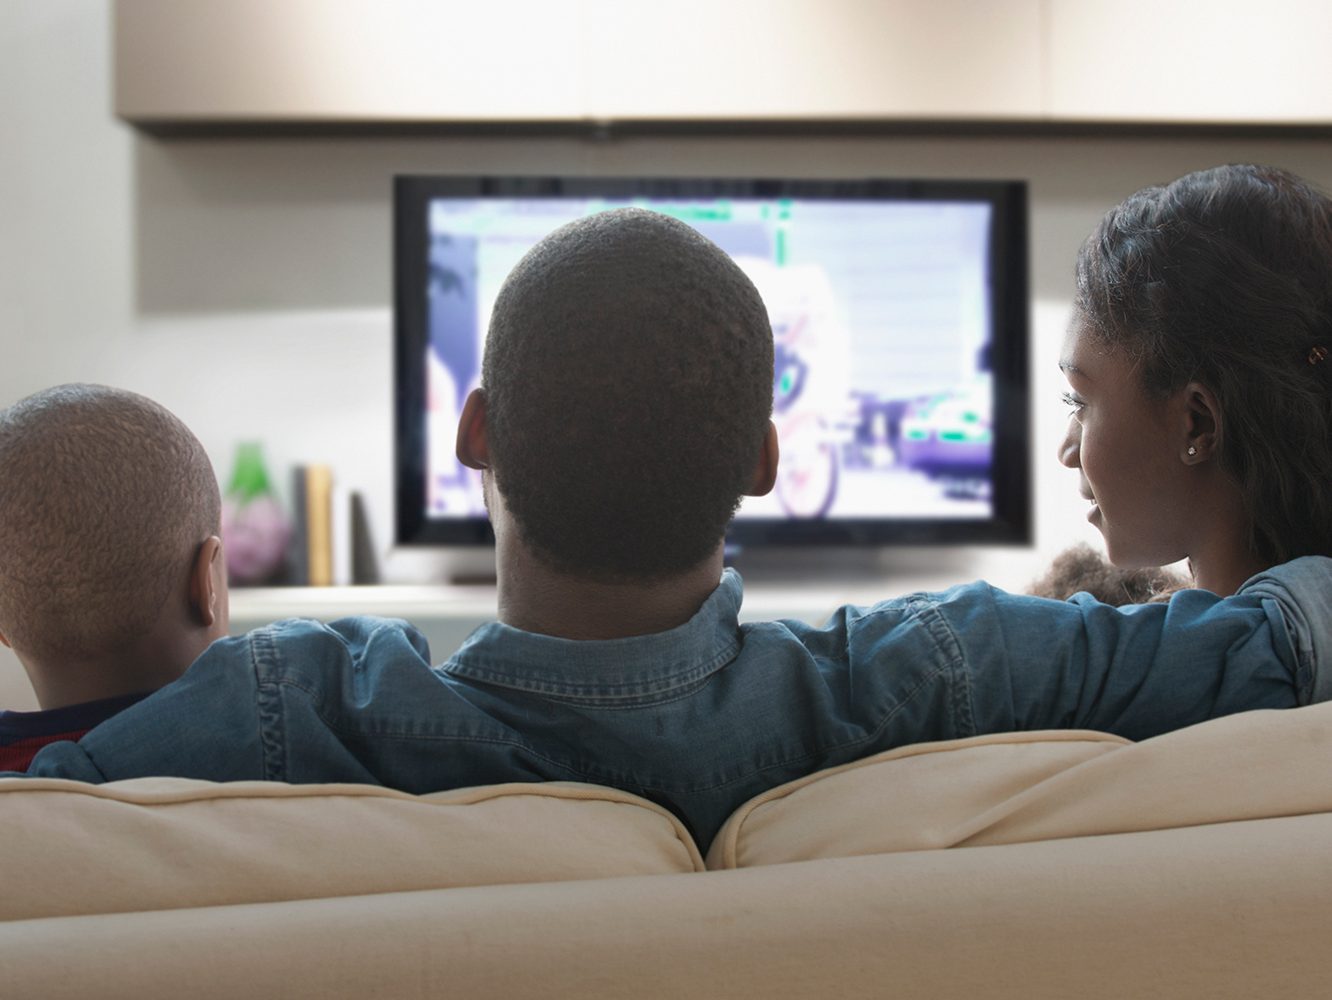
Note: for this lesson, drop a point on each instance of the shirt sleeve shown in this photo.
(1023, 663)
(204, 725)
(243, 708)
(1300, 594)
(63, 759)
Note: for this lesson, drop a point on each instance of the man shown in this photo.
(626, 390)
(111, 573)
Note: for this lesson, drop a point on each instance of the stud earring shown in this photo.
(1193, 450)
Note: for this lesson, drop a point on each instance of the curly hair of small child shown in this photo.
(1081, 568)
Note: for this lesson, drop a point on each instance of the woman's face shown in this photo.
(1125, 445)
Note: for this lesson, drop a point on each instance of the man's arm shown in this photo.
(236, 712)
(1143, 670)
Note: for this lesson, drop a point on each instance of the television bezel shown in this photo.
(1011, 520)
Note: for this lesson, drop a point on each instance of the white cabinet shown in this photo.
(1222, 61)
(402, 61)
(801, 59)
(345, 60)
(399, 62)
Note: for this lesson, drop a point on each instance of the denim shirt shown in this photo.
(704, 716)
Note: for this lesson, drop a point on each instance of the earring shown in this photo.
(1193, 450)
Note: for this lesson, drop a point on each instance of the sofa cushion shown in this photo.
(160, 843)
(1022, 787)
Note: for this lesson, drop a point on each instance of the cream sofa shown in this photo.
(1056, 864)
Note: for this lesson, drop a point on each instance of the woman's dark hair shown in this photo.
(1224, 277)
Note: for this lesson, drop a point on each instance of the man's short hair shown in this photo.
(628, 380)
(105, 498)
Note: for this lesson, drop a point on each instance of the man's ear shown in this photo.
(1203, 420)
(765, 472)
(208, 583)
(472, 448)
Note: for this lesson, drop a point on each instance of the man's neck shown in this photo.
(535, 598)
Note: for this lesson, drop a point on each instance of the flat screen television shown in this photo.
(900, 320)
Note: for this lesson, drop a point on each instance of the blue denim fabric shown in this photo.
(705, 716)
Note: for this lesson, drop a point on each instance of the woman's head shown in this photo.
(1218, 287)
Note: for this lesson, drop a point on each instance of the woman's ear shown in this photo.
(1204, 424)
(471, 446)
(765, 472)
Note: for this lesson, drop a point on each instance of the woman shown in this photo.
(1200, 382)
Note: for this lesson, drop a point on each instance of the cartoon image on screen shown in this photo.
(883, 397)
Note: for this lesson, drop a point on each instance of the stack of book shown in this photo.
(330, 541)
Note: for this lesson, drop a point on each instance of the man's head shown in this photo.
(109, 513)
(627, 386)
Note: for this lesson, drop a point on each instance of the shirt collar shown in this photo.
(500, 654)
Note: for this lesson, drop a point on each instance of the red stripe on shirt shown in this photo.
(17, 756)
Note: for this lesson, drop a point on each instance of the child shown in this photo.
(1081, 569)
(112, 578)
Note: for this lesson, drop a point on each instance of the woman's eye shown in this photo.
(1074, 404)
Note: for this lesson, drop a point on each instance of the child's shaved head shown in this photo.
(105, 500)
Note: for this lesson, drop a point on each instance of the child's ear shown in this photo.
(208, 581)
(4, 642)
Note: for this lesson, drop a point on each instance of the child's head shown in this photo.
(1081, 569)
(1213, 295)
(111, 574)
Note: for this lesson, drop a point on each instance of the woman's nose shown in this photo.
(1070, 446)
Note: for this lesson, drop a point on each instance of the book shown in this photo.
(319, 524)
(298, 552)
(365, 565)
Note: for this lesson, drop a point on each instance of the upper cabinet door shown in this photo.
(1223, 61)
(541, 60)
(813, 59)
(346, 60)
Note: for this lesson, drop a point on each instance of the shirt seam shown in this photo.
(268, 705)
(601, 692)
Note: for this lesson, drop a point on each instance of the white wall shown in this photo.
(245, 283)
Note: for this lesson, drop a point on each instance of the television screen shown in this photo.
(900, 325)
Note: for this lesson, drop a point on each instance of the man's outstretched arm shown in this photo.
(1148, 669)
(235, 713)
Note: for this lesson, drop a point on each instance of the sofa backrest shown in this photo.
(1192, 865)
(1025, 787)
(162, 843)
